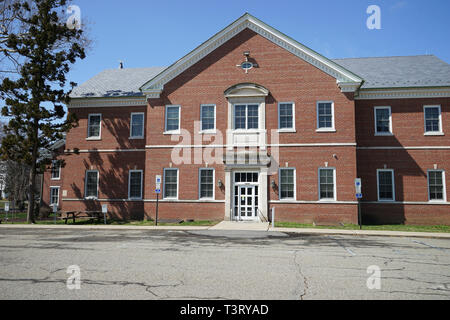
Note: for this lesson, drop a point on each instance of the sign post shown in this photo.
(104, 211)
(358, 197)
(6, 210)
(157, 191)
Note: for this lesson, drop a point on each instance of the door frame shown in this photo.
(238, 217)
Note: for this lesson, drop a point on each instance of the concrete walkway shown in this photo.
(232, 225)
(241, 225)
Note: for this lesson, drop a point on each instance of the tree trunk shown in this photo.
(32, 182)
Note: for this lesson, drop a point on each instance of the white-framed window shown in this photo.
(135, 184)
(383, 120)
(208, 117)
(172, 119)
(137, 125)
(385, 185)
(56, 170)
(436, 185)
(432, 120)
(206, 183)
(287, 178)
(246, 116)
(54, 195)
(286, 116)
(170, 183)
(325, 116)
(91, 184)
(327, 183)
(94, 126)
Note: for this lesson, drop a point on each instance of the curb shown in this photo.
(385, 233)
(100, 227)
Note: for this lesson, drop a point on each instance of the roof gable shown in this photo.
(346, 80)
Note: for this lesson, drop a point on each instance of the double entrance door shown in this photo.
(246, 196)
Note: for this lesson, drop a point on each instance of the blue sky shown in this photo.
(157, 33)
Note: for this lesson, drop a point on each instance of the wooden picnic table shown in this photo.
(81, 214)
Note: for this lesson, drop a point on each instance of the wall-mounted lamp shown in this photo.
(273, 185)
(219, 183)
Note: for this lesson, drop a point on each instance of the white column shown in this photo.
(228, 186)
(263, 182)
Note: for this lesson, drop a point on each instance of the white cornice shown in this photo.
(342, 75)
(404, 93)
(107, 102)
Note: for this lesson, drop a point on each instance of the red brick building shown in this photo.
(253, 120)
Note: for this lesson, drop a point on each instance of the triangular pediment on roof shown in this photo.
(346, 80)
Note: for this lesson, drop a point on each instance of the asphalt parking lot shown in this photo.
(213, 264)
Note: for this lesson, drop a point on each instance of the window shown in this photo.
(327, 184)
(137, 125)
(385, 182)
(135, 184)
(286, 116)
(325, 116)
(170, 183)
(91, 184)
(433, 120)
(56, 170)
(206, 183)
(383, 121)
(172, 119)
(246, 116)
(436, 185)
(287, 183)
(94, 125)
(54, 195)
(208, 117)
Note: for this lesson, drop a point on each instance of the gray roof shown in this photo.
(399, 72)
(116, 83)
(380, 72)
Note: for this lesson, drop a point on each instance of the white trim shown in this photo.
(409, 202)
(312, 202)
(444, 189)
(129, 181)
(85, 184)
(330, 144)
(390, 133)
(403, 93)
(432, 133)
(213, 184)
(207, 131)
(107, 102)
(404, 148)
(393, 185)
(164, 184)
(179, 119)
(59, 170)
(89, 125)
(105, 150)
(334, 185)
(54, 187)
(279, 184)
(344, 77)
(326, 129)
(131, 125)
(292, 129)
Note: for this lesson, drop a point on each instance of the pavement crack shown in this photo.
(305, 279)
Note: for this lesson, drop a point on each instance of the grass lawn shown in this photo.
(387, 227)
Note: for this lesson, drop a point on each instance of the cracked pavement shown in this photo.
(213, 264)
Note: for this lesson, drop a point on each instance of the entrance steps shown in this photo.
(241, 225)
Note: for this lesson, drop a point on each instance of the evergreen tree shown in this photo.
(45, 49)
